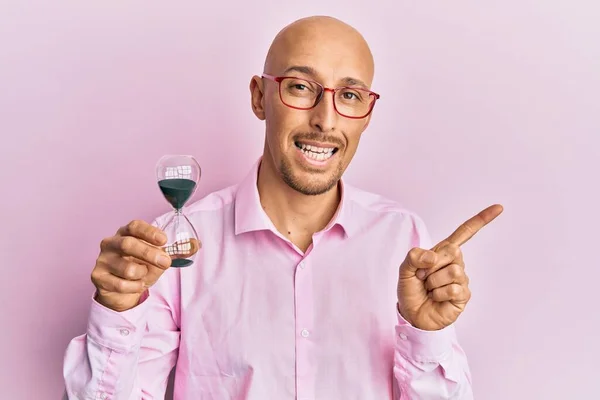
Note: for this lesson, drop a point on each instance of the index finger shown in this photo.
(468, 229)
(145, 231)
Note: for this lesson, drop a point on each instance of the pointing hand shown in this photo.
(433, 288)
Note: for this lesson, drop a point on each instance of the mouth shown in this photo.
(318, 153)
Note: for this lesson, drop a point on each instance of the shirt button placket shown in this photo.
(305, 331)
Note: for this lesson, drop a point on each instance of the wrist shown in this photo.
(403, 315)
(120, 302)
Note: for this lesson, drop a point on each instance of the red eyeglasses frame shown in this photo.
(279, 79)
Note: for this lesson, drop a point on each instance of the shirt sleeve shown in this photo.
(429, 365)
(126, 355)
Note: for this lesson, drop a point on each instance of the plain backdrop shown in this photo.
(482, 102)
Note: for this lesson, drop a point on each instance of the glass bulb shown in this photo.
(178, 177)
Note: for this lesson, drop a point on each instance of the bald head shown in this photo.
(325, 42)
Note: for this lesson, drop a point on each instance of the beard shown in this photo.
(313, 188)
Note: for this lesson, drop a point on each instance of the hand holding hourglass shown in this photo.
(139, 253)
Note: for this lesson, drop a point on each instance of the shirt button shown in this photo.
(103, 396)
(301, 265)
(124, 332)
(403, 336)
(304, 333)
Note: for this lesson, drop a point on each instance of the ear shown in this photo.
(257, 97)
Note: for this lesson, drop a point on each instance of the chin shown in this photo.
(309, 180)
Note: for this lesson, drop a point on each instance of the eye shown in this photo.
(299, 86)
(351, 95)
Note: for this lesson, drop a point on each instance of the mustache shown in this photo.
(319, 137)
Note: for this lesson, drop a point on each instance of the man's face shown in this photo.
(311, 149)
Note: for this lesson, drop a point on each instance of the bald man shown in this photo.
(304, 287)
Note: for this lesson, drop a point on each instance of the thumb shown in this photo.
(416, 259)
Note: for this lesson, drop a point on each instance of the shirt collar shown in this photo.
(250, 216)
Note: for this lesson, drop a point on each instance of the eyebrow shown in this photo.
(305, 69)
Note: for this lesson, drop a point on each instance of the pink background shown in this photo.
(482, 102)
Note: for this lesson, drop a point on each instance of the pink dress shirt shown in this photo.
(255, 318)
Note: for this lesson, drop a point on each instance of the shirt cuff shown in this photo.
(420, 345)
(118, 331)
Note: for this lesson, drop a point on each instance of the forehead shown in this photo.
(333, 55)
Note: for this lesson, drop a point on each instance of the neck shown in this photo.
(295, 215)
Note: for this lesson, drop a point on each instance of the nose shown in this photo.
(324, 117)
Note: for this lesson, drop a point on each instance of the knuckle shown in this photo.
(120, 286)
(105, 243)
(469, 228)
(454, 250)
(94, 277)
(134, 225)
(127, 244)
(454, 271)
(101, 260)
(146, 252)
(414, 254)
(454, 290)
(98, 279)
(130, 271)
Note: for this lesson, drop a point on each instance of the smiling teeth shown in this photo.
(316, 149)
(316, 153)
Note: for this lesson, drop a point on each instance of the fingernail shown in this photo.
(164, 260)
(421, 274)
(427, 257)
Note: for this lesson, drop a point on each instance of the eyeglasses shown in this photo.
(303, 94)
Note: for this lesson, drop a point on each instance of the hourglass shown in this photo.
(178, 177)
